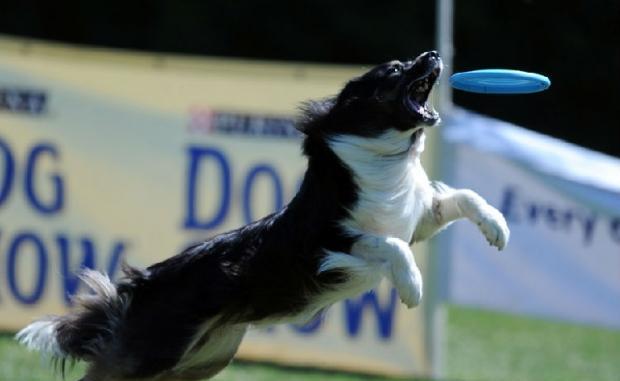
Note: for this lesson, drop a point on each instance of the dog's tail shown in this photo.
(85, 333)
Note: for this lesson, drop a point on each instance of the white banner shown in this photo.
(562, 204)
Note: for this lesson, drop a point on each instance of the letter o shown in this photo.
(57, 202)
(41, 254)
(253, 174)
(9, 171)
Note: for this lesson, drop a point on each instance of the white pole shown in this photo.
(436, 311)
(444, 36)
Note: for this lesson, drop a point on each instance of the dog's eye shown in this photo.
(393, 70)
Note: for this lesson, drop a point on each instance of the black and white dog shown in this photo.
(364, 199)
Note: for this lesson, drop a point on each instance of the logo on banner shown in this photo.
(206, 121)
(23, 101)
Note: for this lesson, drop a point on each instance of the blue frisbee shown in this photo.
(499, 81)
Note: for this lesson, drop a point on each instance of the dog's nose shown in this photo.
(424, 57)
(431, 54)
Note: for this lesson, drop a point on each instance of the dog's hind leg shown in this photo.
(211, 352)
(452, 204)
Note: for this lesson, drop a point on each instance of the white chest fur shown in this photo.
(393, 188)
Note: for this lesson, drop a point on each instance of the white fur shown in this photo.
(397, 205)
(100, 283)
(394, 189)
(372, 258)
(464, 203)
(40, 336)
(221, 345)
(394, 193)
(363, 275)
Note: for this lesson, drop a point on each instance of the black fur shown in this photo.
(267, 269)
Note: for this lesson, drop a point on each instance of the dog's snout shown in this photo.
(425, 57)
(432, 55)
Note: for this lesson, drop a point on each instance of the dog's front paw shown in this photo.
(409, 286)
(494, 227)
(400, 267)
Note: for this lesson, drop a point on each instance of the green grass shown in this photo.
(479, 345)
(263, 372)
(17, 364)
(484, 345)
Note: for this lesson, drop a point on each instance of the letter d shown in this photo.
(197, 155)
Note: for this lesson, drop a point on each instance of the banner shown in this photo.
(562, 203)
(106, 157)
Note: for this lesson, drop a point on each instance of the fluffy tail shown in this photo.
(84, 333)
(40, 336)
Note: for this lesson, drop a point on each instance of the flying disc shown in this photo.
(499, 81)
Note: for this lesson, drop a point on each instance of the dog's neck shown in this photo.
(379, 163)
(351, 180)
(383, 170)
(391, 143)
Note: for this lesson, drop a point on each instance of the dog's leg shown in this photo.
(452, 204)
(398, 263)
(212, 350)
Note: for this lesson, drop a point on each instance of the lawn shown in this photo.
(480, 345)
(491, 346)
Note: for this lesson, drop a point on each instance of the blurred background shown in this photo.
(575, 44)
(195, 101)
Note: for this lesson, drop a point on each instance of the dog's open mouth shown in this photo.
(418, 91)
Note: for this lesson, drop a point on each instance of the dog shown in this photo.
(365, 198)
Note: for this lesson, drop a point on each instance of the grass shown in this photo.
(484, 345)
(479, 345)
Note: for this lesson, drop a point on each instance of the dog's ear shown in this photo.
(312, 113)
(357, 88)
